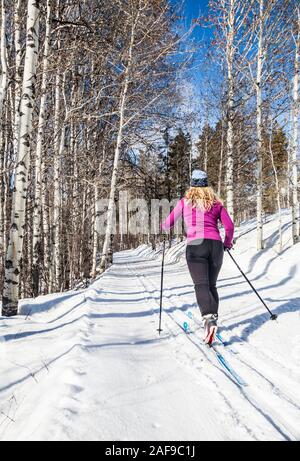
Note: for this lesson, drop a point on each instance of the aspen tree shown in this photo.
(15, 247)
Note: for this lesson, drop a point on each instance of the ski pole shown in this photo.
(273, 316)
(162, 285)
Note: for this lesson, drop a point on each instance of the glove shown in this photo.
(229, 247)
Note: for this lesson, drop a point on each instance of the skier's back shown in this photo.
(202, 210)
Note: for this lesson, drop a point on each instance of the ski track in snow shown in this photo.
(182, 301)
(246, 395)
(89, 365)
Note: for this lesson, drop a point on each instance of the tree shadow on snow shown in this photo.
(269, 243)
(252, 324)
(280, 283)
(39, 306)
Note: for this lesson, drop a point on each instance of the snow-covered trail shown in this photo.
(90, 366)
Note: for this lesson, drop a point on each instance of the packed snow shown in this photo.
(90, 365)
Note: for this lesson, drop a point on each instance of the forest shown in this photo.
(94, 103)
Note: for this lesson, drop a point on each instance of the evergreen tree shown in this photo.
(212, 158)
(209, 148)
(178, 160)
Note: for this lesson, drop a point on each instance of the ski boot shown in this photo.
(210, 328)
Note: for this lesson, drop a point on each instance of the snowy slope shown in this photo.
(89, 365)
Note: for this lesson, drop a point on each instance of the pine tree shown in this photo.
(178, 164)
(209, 148)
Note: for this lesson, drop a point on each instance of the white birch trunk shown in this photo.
(36, 244)
(46, 224)
(3, 199)
(15, 247)
(230, 108)
(59, 144)
(73, 262)
(96, 220)
(56, 198)
(95, 231)
(258, 88)
(18, 77)
(221, 161)
(4, 76)
(57, 213)
(2, 204)
(288, 177)
(4, 194)
(3, 95)
(294, 143)
(206, 152)
(191, 161)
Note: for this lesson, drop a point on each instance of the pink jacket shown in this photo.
(202, 225)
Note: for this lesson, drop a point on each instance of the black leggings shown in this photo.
(205, 259)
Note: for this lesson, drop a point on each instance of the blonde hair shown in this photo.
(203, 198)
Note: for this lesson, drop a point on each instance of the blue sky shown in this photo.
(193, 9)
(192, 85)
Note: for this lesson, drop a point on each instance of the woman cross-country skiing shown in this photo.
(202, 210)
